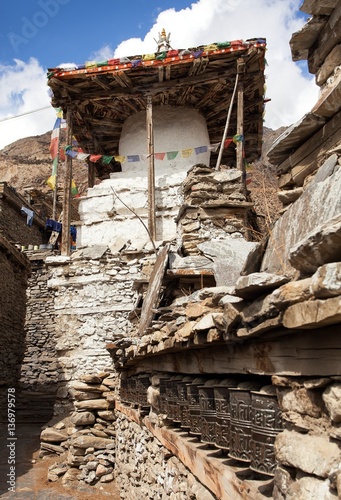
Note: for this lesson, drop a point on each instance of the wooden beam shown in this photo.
(91, 174)
(240, 164)
(296, 353)
(65, 248)
(213, 470)
(151, 170)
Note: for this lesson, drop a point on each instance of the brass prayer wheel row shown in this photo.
(242, 418)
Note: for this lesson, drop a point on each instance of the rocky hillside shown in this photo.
(26, 163)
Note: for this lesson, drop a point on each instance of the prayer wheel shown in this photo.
(266, 424)
(223, 417)
(163, 399)
(142, 384)
(240, 430)
(183, 402)
(207, 411)
(194, 405)
(173, 408)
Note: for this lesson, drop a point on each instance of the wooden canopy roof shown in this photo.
(103, 95)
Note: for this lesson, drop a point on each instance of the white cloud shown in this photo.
(292, 92)
(23, 89)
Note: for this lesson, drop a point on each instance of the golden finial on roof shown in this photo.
(163, 41)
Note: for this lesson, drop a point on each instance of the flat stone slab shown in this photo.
(256, 284)
(229, 257)
(313, 313)
(320, 246)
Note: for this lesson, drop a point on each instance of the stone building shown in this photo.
(195, 362)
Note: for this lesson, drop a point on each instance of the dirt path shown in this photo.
(31, 471)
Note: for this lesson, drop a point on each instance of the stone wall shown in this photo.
(93, 296)
(14, 273)
(146, 469)
(308, 452)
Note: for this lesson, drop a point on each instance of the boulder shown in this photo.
(310, 488)
(51, 435)
(99, 443)
(326, 282)
(320, 246)
(83, 418)
(291, 293)
(332, 400)
(318, 204)
(312, 454)
(92, 404)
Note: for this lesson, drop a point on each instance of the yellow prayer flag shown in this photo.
(120, 159)
(186, 153)
(51, 182)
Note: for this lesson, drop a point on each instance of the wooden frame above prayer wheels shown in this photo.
(105, 94)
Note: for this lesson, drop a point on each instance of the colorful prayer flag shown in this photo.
(159, 156)
(133, 158)
(200, 149)
(172, 154)
(54, 144)
(74, 190)
(106, 159)
(120, 159)
(95, 158)
(186, 153)
(227, 143)
(51, 182)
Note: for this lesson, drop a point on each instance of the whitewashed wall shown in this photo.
(105, 220)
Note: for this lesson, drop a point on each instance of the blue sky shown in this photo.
(38, 34)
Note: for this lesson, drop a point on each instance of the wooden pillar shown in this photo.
(65, 250)
(240, 164)
(151, 170)
(55, 192)
(91, 174)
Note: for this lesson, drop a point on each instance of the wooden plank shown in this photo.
(317, 144)
(300, 353)
(329, 37)
(152, 296)
(332, 60)
(214, 471)
(14, 253)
